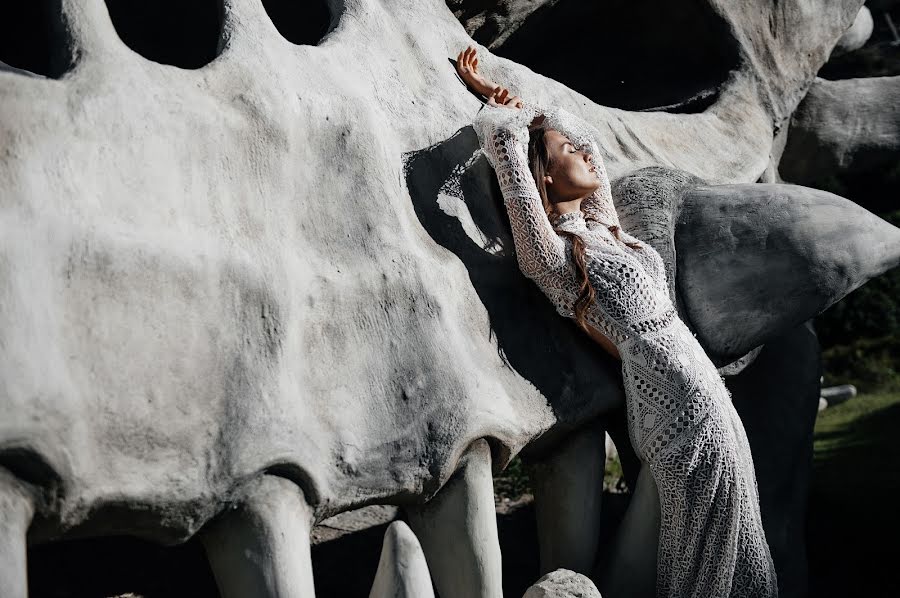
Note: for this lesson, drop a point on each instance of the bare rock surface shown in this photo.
(402, 570)
(678, 57)
(844, 127)
(286, 263)
(857, 35)
(563, 583)
(349, 522)
(781, 245)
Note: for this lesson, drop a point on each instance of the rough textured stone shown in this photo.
(402, 571)
(563, 583)
(792, 251)
(857, 35)
(349, 522)
(289, 262)
(844, 127)
(675, 56)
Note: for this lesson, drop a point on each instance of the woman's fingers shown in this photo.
(495, 98)
(499, 99)
(464, 59)
(515, 101)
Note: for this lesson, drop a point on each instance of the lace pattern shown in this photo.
(680, 416)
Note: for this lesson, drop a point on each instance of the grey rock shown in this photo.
(563, 583)
(844, 127)
(717, 240)
(349, 522)
(657, 67)
(402, 570)
(835, 395)
(792, 251)
(857, 35)
(284, 264)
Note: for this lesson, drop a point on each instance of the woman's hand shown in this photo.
(500, 96)
(467, 68)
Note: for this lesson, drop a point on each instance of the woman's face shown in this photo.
(571, 170)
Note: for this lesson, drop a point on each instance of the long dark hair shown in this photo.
(539, 163)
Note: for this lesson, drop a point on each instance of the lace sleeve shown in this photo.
(503, 134)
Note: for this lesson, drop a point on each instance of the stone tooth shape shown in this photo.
(568, 486)
(402, 570)
(260, 547)
(753, 260)
(628, 567)
(16, 511)
(458, 530)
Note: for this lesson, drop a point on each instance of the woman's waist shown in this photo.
(651, 328)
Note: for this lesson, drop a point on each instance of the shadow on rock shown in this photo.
(454, 193)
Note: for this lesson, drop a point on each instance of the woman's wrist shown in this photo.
(486, 87)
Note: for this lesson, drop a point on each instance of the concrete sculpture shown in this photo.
(266, 281)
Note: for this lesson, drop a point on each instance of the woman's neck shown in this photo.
(567, 207)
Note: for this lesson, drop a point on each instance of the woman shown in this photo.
(681, 421)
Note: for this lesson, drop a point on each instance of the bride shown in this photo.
(696, 468)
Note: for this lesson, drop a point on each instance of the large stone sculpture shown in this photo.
(271, 282)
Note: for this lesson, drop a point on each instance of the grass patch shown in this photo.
(512, 482)
(869, 364)
(853, 517)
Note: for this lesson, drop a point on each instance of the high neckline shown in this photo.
(569, 218)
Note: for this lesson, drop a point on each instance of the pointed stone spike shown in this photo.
(458, 530)
(16, 511)
(757, 260)
(402, 570)
(568, 486)
(260, 549)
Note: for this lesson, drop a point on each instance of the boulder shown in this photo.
(563, 583)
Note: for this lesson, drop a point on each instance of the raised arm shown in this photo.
(503, 133)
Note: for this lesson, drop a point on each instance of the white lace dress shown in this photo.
(680, 416)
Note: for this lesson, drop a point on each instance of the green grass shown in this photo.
(867, 363)
(848, 426)
(853, 521)
(513, 481)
